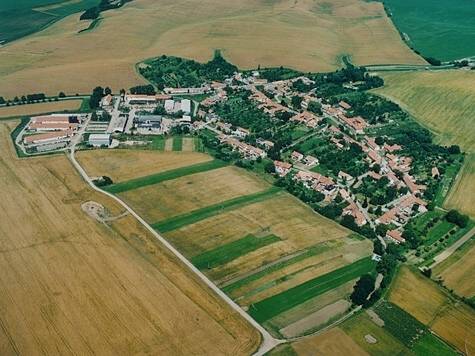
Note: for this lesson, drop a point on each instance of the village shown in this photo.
(121, 118)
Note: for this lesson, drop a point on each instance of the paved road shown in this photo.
(448, 252)
(268, 341)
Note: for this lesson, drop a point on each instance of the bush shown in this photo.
(454, 217)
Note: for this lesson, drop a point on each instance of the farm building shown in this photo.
(47, 138)
(98, 140)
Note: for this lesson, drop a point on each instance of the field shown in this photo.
(331, 342)
(20, 18)
(160, 201)
(40, 108)
(254, 240)
(249, 32)
(444, 102)
(71, 285)
(432, 306)
(434, 29)
(124, 165)
(456, 271)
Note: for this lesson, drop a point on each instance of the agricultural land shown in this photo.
(39, 108)
(232, 225)
(73, 281)
(249, 32)
(438, 29)
(432, 306)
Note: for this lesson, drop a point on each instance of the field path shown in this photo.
(448, 252)
(268, 341)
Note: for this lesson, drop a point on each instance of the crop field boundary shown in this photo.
(276, 304)
(163, 176)
(212, 210)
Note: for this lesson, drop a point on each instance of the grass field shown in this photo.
(432, 306)
(272, 306)
(182, 195)
(71, 285)
(361, 325)
(123, 165)
(444, 102)
(456, 271)
(249, 32)
(40, 108)
(164, 176)
(434, 29)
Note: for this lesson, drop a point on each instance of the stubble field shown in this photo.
(305, 34)
(72, 285)
(34, 109)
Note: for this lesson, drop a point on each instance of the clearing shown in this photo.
(250, 33)
(432, 306)
(71, 284)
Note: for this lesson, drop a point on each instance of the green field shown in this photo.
(272, 306)
(177, 143)
(209, 211)
(431, 345)
(400, 324)
(228, 252)
(437, 28)
(21, 18)
(163, 176)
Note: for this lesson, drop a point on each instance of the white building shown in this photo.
(186, 106)
(98, 140)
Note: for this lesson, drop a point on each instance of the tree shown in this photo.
(2, 100)
(454, 150)
(95, 98)
(381, 229)
(315, 107)
(296, 101)
(454, 217)
(378, 247)
(269, 167)
(61, 94)
(376, 168)
(108, 91)
(362, 289)
(379, 140)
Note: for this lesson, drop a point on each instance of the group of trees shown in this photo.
(97, 94)
(143, 89)
(176, 72)
(454, 217)
(93, 12)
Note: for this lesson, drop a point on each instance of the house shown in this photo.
(241, 132)
(148, 123)
(296, 156)
(395, 236)
(107, 101)
(310, 161)
(391, 148)
(99, 140)
(373, 155)
(344, 105)
(282, 168)
(357, 123)
(139, 99)
(375, 175)
(353, 210)
(169, 105)
(411, 184)
(345, 176)
(372, 143)
(265, 143)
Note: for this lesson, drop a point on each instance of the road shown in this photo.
(268, 341)
(449, 251)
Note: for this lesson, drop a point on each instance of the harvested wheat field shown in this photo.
(181, 195)
(39, 108)
(423, 299)
(444, 101)
(285, 216)
(308, 35)
(332, 342)
(70, 284)
(457, 271)
(122, 165)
